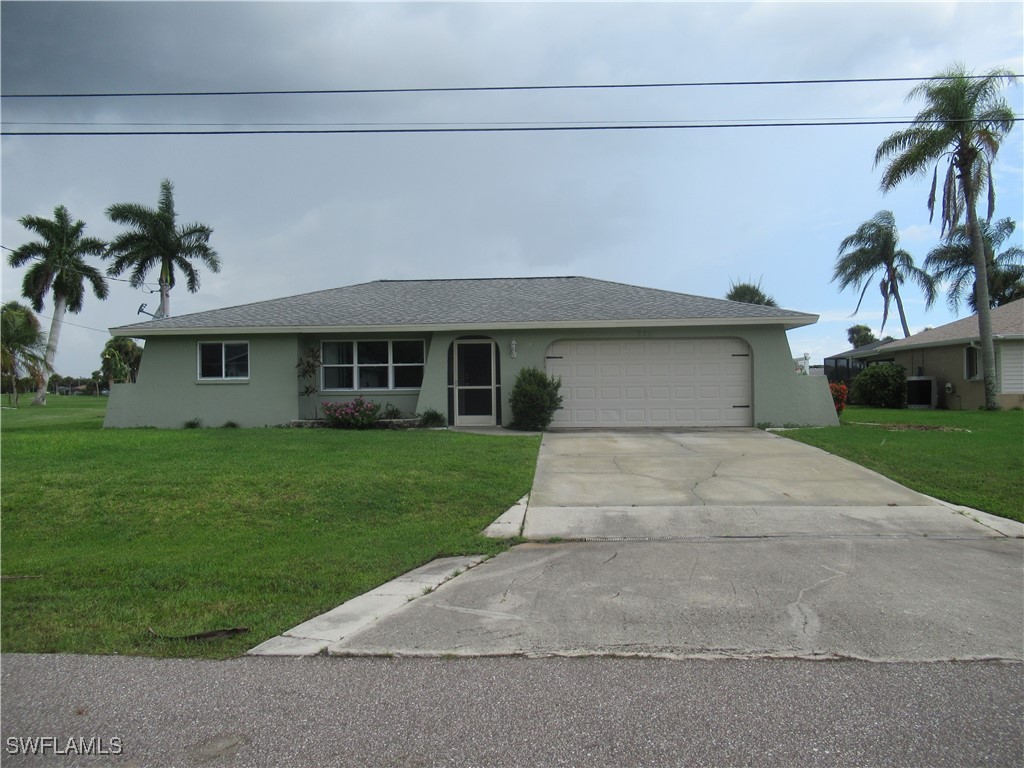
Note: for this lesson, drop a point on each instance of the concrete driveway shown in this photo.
(739, 482)
(724, 543)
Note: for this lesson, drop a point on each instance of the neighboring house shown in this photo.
(842, 368)
(627, 356)
(951, 355)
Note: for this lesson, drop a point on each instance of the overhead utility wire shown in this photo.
(479, 88)
(367, 124)
(478, 129)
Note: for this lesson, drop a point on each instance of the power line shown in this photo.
(481, 88)
(440, 123)
(76, 325)
(505, 128)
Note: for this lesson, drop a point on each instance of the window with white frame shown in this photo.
(394, 364)
(972, 363)
(223, 360)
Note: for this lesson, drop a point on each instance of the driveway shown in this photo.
(724, 543)
(740, 482)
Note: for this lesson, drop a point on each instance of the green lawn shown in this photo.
(107, 533)
(973, 458)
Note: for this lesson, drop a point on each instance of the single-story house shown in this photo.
(627, 356)
(948, 359)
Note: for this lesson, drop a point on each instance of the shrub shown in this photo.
(839, 393)
(195, 423)
(355, 414)
(534, 399)
(390, 412)
(883, 385)
(432, 418)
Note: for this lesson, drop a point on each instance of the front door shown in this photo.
(475, 404)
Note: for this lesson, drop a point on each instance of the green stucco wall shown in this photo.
(167, 392)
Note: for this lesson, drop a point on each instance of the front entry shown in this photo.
(475, 378)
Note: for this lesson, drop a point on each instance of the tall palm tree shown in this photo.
(748, 293)
(22, 345)
(58, 265)
(873, 249)
(154, 240)
(952, 262)
(963, 124)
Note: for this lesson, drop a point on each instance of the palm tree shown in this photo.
(748, 293)
(963, 123)
(952, 262)
(873, 248)
(22, 345)
(58, 266)
(120, 359)
(154, 240)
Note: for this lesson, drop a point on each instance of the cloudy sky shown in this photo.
(686, 210)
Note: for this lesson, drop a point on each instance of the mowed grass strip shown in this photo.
(973, 458)
(107, 533)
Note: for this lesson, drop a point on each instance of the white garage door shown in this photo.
(652, 382)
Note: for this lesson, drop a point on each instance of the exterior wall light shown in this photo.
(512, 350)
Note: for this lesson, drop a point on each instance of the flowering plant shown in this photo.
(355, 414)
(839, 392)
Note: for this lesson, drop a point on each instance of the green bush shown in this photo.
(534, 399)
(431, 418)
(883, 385)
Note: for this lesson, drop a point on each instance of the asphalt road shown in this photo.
(515, 712)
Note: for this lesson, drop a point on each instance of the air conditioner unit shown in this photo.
(922, 392)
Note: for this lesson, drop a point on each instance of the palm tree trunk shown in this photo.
(165, 290)
(899, 302)
(988, 352)
(165, 299)
(60, 305)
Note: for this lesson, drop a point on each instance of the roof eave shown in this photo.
(142, 332)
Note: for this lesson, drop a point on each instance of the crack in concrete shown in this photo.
(805, 616)
(504, 594)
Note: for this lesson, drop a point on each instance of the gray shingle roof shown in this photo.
(1007, 321)
(497, 302)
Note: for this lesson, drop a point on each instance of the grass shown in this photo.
(972, 458)
(107, 533)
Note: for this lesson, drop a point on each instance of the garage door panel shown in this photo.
(685, 370)
(662, 382)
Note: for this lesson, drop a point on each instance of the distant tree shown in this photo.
(860, 335)
(749, 293)
(952, 263)
(22, 346)
(154, 240)
(963, 124)
(871, 250)
(59, 267)
(120, 360)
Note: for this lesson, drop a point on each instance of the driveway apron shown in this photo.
(724, 543)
